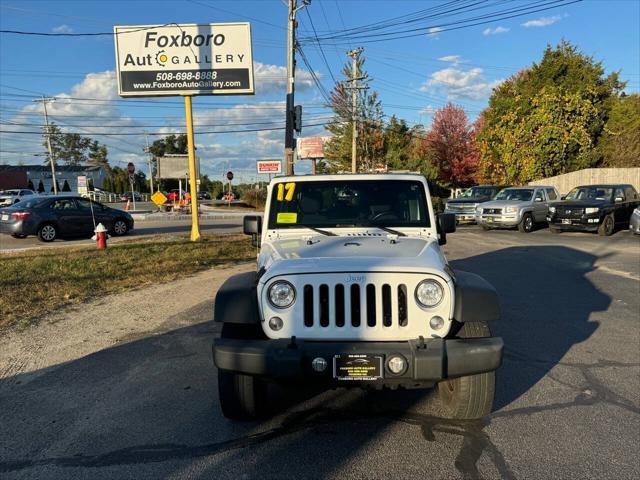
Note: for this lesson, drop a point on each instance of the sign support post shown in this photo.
(195, 225)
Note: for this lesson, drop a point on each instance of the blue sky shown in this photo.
(414, 76)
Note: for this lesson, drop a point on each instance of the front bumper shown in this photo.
(507, 220)
(429, 361)
(463, 216)
(585, 223)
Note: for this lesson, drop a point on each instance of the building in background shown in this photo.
(38, 177)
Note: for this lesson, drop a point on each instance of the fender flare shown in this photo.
(475, 299)
(237, 300)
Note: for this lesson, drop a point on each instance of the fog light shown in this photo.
(319, 364)
(436, 322)
(396, 364)
(275, 323)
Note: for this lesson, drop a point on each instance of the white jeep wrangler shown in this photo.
(352, 290)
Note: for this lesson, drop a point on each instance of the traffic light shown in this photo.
(297, 118)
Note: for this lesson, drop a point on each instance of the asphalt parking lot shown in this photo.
(567, 403)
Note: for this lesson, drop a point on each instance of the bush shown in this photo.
(438, 204)
(255, 198)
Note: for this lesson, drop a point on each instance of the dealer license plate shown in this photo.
(5, 217)
(357, 367)
(566, 221)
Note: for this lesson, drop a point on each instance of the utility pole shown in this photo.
(146, 137)
(291, 74)
(354, 54)
(44, 101)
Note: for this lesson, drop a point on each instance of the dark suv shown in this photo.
(594, 208)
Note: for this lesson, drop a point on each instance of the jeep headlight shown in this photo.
(589, 210)
(552, 209)
(429, 293)
(281, 294)
(510, 209)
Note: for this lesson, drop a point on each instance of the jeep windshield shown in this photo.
(348, 203)
(516, 194)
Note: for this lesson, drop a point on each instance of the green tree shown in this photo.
(547, 120)
(619, 145)
(97, 154)
(171, 144)
(397, 144)
(369, 115)
(70, 148)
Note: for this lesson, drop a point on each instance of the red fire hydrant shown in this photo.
(100, 237)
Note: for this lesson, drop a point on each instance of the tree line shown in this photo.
(559, 115)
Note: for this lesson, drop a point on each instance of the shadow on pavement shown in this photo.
(155, 399)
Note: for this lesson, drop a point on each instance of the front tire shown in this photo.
(606, 227)
(469, 397)
(242, 397)
(526, 224)
(47, 232)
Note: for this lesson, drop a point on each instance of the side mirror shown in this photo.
(562, 197)
(619, 199)
(537, 199)
(252, 225)
(446, 224)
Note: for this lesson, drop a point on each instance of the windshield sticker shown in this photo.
(292, 244)
(287, 217)
(289, 188)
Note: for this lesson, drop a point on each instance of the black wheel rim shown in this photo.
(528, 223)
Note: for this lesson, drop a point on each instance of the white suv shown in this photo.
(9, 197)
(352, 289)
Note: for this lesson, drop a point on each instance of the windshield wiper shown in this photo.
(386, 229)
(323, 232)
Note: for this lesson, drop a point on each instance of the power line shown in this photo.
(320, 46)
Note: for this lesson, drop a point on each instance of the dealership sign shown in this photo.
(269, 166)
(188, 59)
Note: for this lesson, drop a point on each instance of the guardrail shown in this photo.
(113, 197)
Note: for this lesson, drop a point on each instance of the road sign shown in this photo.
(175, 166)
(159, 199)
(131, 168)
(82, 185)
(311, 147)
(269, 166)
(186, 59)
(132, 178)
(229, 176)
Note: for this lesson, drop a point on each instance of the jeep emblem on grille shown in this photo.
(355, 278)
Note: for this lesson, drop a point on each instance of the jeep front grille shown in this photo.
(357, 308)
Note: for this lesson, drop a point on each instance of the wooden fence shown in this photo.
(592, 176)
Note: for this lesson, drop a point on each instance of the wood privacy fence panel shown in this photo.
(592, 176)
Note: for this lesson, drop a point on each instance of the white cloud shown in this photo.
(62, 29)
(428, 110)
(434, 31)
(273, 79)
(455, 59)
(495, 31)
(542, 21)
(457, 83)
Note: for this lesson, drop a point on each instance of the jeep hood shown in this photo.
(352, 254)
